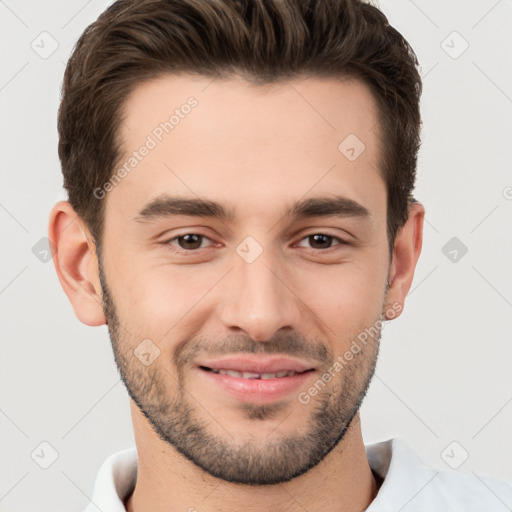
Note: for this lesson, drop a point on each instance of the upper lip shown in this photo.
(257, 364)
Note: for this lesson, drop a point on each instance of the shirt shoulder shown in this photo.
(411, 486)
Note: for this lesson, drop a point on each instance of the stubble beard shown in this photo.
(177, 419)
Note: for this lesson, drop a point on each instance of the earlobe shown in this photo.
(76, 263)
(406, 252)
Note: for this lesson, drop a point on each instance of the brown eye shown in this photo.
(321, 241)
(190, 241)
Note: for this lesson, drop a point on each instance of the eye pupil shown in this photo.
(190, 239)
(319, 238)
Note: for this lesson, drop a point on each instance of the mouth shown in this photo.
(254, 375)
(256, 379)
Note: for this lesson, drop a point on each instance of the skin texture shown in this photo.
(256, 150)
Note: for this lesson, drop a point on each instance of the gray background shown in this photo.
(443, 382)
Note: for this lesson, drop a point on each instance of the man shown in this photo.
(240, 214)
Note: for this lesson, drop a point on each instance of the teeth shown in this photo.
(233, 373)
(250, 375)
(253, 375)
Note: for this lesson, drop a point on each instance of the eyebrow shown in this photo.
(169, 206)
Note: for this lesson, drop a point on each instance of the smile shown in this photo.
(252, 375)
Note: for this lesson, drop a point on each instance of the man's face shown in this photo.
(222, 325)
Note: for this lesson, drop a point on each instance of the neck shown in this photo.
(167, 481)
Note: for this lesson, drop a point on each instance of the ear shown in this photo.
(76, 263)
(406, 252)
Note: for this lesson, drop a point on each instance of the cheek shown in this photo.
(159, 301)
(347, 299)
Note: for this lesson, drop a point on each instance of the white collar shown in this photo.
(408, 485)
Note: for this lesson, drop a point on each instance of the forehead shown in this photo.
(241, 142)
(262, 110)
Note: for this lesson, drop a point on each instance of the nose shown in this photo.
(257, 298)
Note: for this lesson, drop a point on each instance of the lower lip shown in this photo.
(258, 390)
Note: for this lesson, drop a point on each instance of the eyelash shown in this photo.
(180, 250)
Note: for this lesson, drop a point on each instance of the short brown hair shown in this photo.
(264, 41)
